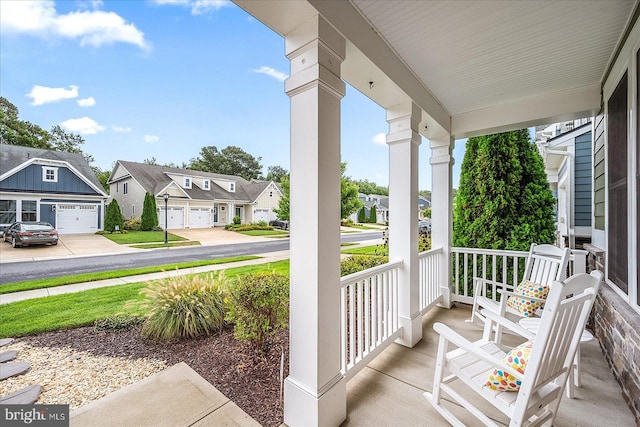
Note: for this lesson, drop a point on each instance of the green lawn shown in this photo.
(365, 250)
(131, 237)
(83, 308)
(263, 232)
(91, 277)
(364, 227)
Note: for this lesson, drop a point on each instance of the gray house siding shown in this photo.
(598, 173)
(583, 180)
(30, 179)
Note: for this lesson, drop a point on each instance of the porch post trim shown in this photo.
(403, 140)
(315, 390)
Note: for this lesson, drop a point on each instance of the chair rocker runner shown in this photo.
(542, 384)
(545, 264)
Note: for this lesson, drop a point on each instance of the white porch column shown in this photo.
(441, 209)
(403, 140)
(315, 390)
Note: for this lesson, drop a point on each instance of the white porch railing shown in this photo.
(496, 265)
(429, 265)
(369, 315)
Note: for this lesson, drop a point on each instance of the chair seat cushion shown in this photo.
(517, 358)
(527, 307)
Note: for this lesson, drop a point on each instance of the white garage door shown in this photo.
(175, 218)
(76, 219)
(261, 215)
(199, 217)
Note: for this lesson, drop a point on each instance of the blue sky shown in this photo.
(142, 79)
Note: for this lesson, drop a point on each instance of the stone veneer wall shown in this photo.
(617, 327)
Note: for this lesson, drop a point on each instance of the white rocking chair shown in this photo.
(542, 384)
(545, 264)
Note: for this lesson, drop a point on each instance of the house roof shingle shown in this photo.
(12, 156)
(154, 178)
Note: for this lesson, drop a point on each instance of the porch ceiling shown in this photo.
(472, 66)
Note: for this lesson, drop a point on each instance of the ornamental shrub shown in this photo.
(133, 224)
(362, 216)
(356, 263)
(258, 305)
(113, 217)
(183, 307)
(117, 322)
(149, 217)
(373, 215)
(237, 220)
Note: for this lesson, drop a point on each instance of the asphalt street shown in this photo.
(19, 271)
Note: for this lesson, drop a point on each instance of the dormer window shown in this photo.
(232, 187)
(206, 185)
(49, 174)
(187, 182)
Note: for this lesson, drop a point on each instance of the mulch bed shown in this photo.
(250, 380)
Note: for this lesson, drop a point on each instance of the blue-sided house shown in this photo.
(52, 186)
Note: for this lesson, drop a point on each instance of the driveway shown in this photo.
(95, 244)
(68, 245)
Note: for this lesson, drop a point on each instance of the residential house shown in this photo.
(445, 71)
(381, 204)
(52, 186)
(568, 159)
(196, 199)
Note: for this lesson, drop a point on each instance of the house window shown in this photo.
(239, 211)
(206, 184)
(187, 182)
(7, 211)
(117, 187)
(232, 187)
(125, 188)
(617, 236)
(49, 174)
(29, 210)
(133, 211)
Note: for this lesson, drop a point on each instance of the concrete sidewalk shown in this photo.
(77, 287)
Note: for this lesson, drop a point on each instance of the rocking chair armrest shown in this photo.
(470, 347)
(503, 321)
(491, 282)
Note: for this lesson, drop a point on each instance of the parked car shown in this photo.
(279, 223)
(424, 227)
(30, 233)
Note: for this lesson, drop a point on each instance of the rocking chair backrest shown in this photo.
(563, 320)
(546, 263)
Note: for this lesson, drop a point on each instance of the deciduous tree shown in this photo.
(230, 160)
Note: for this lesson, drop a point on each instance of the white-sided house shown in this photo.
(568, 159)
(52, 186)
(196, 199)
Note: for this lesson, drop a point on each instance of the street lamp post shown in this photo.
(166, 202)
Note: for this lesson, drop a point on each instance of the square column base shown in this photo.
(303, 408)
(411, 331)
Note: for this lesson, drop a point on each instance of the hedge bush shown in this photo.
(258, 305)
(356, 263)
(133, 224)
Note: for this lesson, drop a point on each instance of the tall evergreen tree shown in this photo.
(373, 215)
(149, 217)
(362, 215)
(504, 200)
(113, 217)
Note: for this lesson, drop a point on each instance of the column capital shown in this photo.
(441, 151)
(404, 120)
(316, 51)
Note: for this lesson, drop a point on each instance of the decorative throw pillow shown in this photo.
(524, 306)
(517, 358)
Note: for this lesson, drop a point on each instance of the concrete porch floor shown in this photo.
(388, 392)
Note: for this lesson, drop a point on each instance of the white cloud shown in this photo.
(380, 138)
(151, 139)
(93, 28)
(87, 102)
(84, 126)
(278, 75)
(198, 7)
(44, 95)
(120, 129)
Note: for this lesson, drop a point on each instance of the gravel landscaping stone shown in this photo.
(77, 366)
